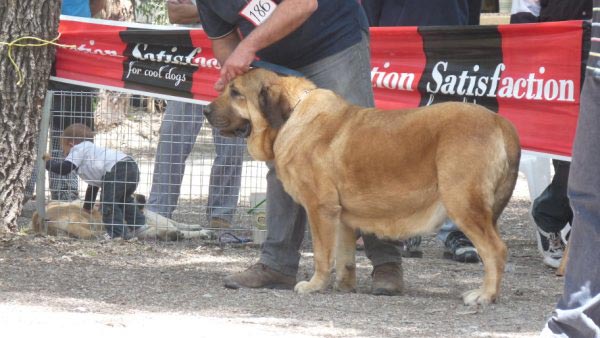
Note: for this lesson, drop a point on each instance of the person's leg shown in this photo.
(225, 179)
(280, 255)
(129, 175)
(112, 213)
(551, 212)
(178, 131)
(578, 311)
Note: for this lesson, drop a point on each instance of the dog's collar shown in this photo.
(303, 95)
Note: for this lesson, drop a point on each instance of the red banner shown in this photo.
(527, 73)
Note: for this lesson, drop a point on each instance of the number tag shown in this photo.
(257, 11)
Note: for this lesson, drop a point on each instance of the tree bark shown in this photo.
(21, 105)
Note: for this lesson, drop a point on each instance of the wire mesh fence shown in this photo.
(191, 178)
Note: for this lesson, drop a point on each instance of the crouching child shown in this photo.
(114, 173)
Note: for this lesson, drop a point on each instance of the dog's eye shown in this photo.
(234, 92)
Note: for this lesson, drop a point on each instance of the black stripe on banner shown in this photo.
(459, 60)
(159, 59)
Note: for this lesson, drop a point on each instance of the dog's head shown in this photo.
(256, 105)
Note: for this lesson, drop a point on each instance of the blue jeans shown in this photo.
(581, 294)
(178, 131)
(347, 73)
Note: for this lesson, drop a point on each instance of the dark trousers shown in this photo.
(120, 213)
(551, 210)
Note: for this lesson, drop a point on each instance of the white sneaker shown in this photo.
(551, 246)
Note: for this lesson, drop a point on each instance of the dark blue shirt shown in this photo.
(333, 27)
(386, 13)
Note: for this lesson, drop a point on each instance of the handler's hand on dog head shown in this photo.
(46, 157)
(236, 64)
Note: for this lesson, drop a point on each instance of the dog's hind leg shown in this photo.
(476, 223)
(345, 259)
(323, 221)
(492, 251)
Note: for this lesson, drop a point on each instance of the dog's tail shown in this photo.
(506, 183)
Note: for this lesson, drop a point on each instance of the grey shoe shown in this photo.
(460, 248)
(259, 276)
(387, 279)
(412, 247)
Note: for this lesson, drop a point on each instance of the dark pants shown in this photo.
(120, 213)
(551, 210)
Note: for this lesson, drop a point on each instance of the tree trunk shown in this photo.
(21, 104)
(112, 106)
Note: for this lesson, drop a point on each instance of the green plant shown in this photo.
(152, 12)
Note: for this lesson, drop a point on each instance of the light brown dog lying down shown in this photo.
(393, 173)
(68, 218)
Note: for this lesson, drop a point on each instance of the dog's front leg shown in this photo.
(345, 259)
(323, 223)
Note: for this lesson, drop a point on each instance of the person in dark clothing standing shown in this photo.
(551, 210)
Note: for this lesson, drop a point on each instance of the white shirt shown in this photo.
(93, 161)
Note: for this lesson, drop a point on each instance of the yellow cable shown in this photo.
(42, 42)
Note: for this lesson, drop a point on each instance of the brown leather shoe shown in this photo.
(260, 276)
(387, 279)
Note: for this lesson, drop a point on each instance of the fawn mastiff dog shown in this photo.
(396, 173)
(68, 218)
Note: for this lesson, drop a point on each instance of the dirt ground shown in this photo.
(53, 286)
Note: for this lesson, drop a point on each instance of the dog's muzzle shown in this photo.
(225, 126)
(243, 132)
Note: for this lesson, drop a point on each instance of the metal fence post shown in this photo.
(40, 184)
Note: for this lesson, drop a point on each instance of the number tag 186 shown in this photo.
(257, 11)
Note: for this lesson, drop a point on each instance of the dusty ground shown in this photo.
(64, 286)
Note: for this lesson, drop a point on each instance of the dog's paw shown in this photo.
(478, 297)
(345, 284)
(306, 287)
(207, 234)
(344, 288)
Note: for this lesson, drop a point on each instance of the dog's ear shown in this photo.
(274, 105)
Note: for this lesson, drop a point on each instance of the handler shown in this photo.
(328, 42)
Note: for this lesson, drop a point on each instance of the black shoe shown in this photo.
(460, 248)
